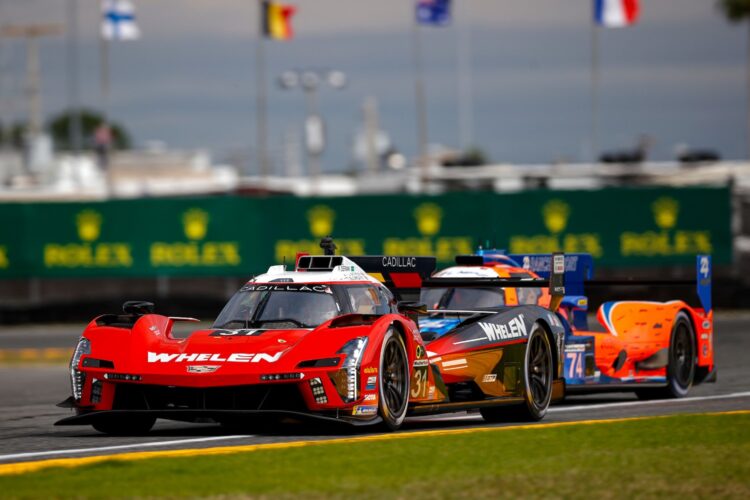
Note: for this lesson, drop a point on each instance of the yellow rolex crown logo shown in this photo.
(665, 211)
(556, 213)
(89, 225)
(429, 217)
(195, 223)
(321, 218)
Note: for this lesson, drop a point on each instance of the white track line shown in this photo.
(647, 403)
(556, 409)
(150, 444)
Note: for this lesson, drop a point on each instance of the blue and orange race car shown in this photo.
(656, 349)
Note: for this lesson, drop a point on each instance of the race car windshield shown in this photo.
(279, 307)
(462, 298)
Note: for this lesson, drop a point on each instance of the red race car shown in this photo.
(326, 340)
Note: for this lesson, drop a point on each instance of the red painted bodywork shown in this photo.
(128, 349)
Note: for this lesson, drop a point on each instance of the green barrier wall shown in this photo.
(227, 236)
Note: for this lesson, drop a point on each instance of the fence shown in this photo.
(235, 236)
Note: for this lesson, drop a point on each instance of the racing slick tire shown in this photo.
(132, 425)
(394, 380)
(681, 366)
(537, 383)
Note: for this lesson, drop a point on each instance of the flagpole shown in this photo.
(74, 113)
(594, 88)
(106, 144)
(465, 80)
(261, 100)
(421, 108)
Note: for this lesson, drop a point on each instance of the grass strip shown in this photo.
(696, 455)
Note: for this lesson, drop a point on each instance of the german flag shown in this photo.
(277, 19)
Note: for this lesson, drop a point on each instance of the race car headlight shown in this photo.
(354, 349)
(77, 377)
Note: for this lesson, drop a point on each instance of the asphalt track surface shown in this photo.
(28, 394)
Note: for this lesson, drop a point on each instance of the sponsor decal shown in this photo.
(472, 272)
(371, 397)
(420, 352)
(489, 377)
(286, 288)
(235, 357)
(193, 251)
(321, 223)
(371, 383)
(705, 349)
(89, 252)
(419, 363)
(542, 263)
(399, 261)
(658, 325)
(371, 369)
(364, 410)
(575, 348)
(558, 264)
(429, 217)
(154, 329)
(667, 240)
(704, 336)
(456, 364)
(556, 215)
(706, 325)
(202, 368)
(513, 329)
(321, 218)
(431, 391)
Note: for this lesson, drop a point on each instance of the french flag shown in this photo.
(616, 13)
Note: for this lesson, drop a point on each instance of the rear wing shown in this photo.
(579, 270)
(403, 275)
(570, 274)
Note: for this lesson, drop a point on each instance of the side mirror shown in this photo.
(411, 308)
(138, 307)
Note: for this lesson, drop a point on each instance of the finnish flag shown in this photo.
(118, 20)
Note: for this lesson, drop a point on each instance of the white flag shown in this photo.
(118, 20)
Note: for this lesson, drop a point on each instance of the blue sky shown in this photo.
(679, 75)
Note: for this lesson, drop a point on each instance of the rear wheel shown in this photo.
(132, 425)
(681, 367)
(537, 382)
(394, 380)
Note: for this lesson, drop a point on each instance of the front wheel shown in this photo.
(131, 425)
(537, 381)
(394, 380)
